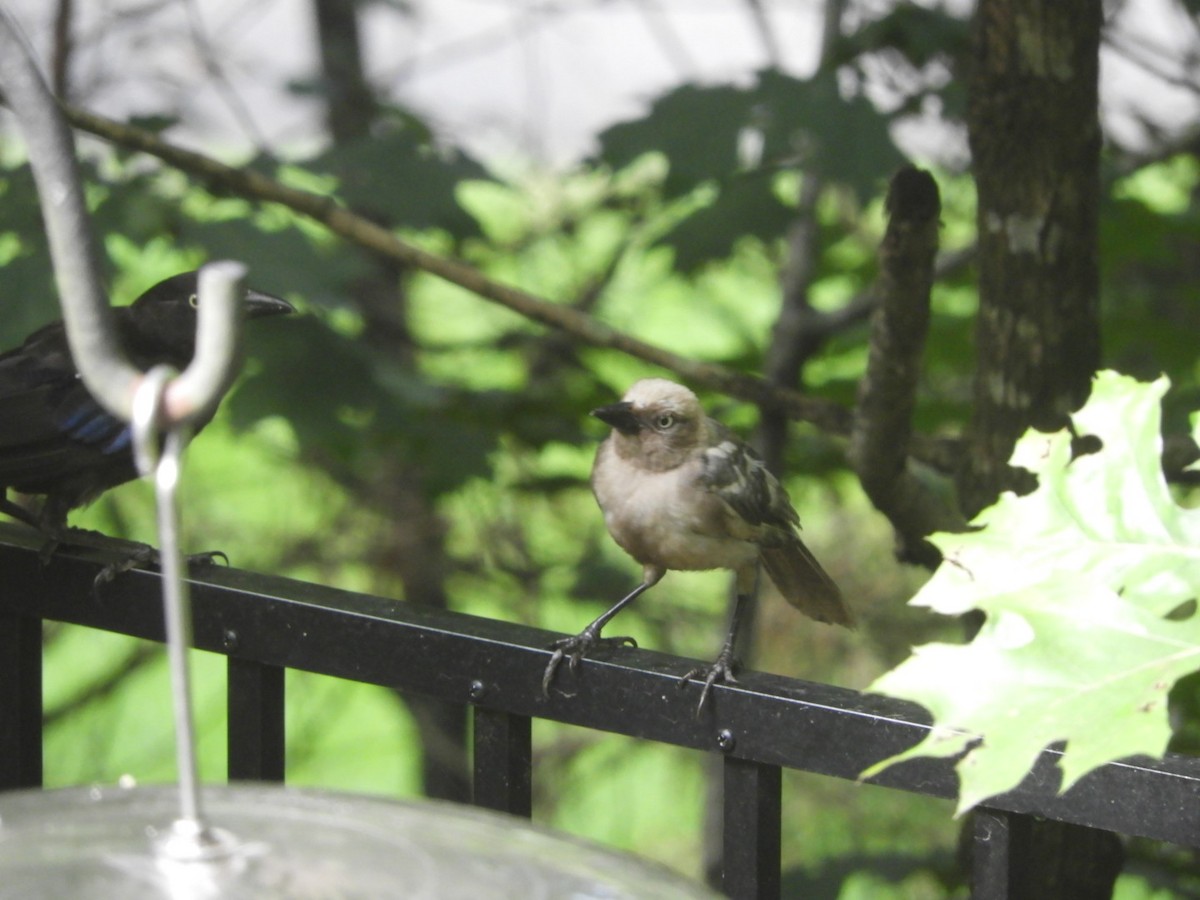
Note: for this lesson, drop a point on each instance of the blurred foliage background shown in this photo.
(406, 438)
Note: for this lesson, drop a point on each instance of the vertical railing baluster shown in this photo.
(256, 726)
(999, 845)
(751, 835)
(20, 701)
(503, 762)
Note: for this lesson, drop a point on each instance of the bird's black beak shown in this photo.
(259, 305)
(620, 416)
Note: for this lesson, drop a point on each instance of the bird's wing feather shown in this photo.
(50, 427)
(739, 477)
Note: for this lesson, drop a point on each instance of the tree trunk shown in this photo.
(414, 548)
(1035, 142)
(349, 102)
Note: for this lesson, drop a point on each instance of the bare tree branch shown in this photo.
(60, 60)
(1153, 58)
(826, 415)
(673, 49)
(766, 34)
(888, 392)
(223, 86)
(796, 336)
(792, 342)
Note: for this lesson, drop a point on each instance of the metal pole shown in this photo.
(190, 838)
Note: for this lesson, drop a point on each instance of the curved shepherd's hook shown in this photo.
(159, 403)
(106, 372)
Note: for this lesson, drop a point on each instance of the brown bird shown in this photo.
(680, 491)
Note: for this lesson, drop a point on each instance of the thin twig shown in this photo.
(826, 415)
(766, 34)
(60, 61)
(224, 87)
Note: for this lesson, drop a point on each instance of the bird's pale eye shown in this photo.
(193, 301)
(665, 421)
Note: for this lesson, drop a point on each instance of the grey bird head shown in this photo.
(658, 423)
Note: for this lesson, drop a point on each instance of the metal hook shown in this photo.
(160, 404)
(106, 372)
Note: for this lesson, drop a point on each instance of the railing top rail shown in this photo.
(461, 658)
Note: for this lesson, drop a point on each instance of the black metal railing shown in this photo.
(265, 625)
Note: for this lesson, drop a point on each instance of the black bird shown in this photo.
(55, 440)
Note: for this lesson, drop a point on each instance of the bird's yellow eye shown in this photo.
(665, 421)
(193, 301)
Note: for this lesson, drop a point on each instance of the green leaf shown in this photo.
(919, 35)
(352, 408)
(845, 139)
(1078, 581)
(281, 262)
(30, 297)
(316, 378)
(403, 176)
(801, 121)
(745, 207)
(696, 128)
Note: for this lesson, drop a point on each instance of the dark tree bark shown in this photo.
(1035, 142)
(60, 58)
(414, 548)
(349, 102)
(887, 395)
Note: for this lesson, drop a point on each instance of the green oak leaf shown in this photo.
(1088, 585)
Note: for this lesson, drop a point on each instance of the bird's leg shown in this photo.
(18, 512)
(51, 522)
(44, 522)
(723, 666)
(573, 649)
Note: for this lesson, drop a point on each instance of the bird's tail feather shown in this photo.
(804, 584)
